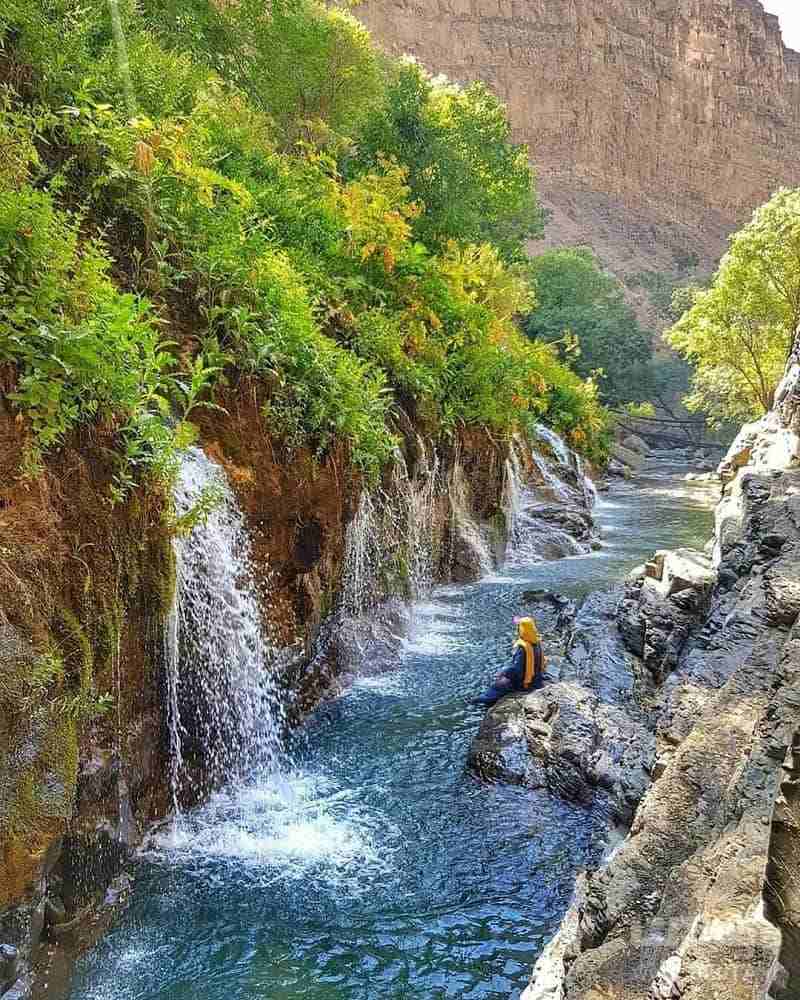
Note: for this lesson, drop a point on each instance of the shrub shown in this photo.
(83, 350)
(474, 183)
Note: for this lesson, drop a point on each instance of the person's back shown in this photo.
(526, 672)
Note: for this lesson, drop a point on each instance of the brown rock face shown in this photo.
(656, 125)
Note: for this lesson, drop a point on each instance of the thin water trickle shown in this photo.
(559, 447)
(466, 531)
(375, 868)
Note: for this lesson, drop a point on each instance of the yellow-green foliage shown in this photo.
(310, 270)
(739, 332)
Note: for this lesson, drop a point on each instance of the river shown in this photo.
(375, 866)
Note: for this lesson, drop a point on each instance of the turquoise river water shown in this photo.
(376, 867)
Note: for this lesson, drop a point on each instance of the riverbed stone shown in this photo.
(681, 569)
(627, 456)
(635, 443)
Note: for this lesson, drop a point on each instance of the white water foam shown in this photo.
(282, 828)
(436, 630)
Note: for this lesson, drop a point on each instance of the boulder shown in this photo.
(634, 443)
(616, 468)
(670, 572)
(581, 737)
(657, 627)
(627, 456)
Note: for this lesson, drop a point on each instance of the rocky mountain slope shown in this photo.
(685, 718)
(655, 127)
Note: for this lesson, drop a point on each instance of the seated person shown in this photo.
(526, 672)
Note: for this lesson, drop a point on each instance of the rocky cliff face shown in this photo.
(685, 719)
(656, 127)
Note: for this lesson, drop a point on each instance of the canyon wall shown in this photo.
(656, 126)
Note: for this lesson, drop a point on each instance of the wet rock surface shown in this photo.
(699, 900)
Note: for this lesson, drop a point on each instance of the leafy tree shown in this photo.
(583, 310)
(313, 69)
(738, 334)
(474, 184)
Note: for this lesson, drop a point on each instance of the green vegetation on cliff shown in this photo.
(255, 194)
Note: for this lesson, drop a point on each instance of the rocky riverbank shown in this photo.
(675, 707)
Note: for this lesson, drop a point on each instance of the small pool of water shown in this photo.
(377, 867)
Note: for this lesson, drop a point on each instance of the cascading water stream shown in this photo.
(532, 537)
(466, 532)
(226, 714)
(392, 534)
(557, 445)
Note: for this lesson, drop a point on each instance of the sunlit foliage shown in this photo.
(739, 332)
(583, 310)
(474, 183)
(275, 239)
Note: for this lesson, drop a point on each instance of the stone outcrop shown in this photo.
(655, 127)
(584, 736)
(695, 691)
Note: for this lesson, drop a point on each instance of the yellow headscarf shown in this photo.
(528, 638)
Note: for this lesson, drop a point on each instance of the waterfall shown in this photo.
(589, 489)
(570, 462)
(534, 531)
(552, 481)
(469, 545)
(422, 522)
(390, 545)
(513, 495)
(226, 714)
(362, 556)
(559, 447)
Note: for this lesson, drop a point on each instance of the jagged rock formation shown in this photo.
(700, 899)
(655, 127)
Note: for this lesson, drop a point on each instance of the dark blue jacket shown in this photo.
(513, 678)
